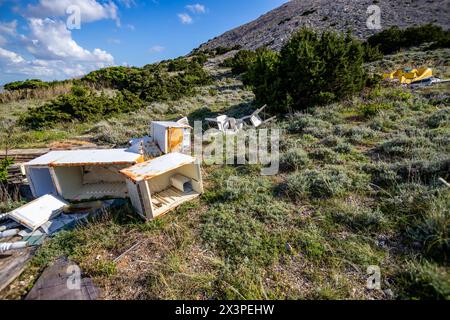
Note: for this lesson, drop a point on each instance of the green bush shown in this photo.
(372, 109)
(263, 77)
(326, 155)
(294, 159)
(358, 218)
(179, 64)
(372, 53)
(307, 124)
(111, 77)
(136, 87)
(240, 62)
(403, 146)
(423, 280)
(326, 183)
(311, 69)
(394, 39)
(439, 119)
(81, 105)
(27, 84)
(237, 237)
(4, 165)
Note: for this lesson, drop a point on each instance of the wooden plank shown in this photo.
(161, 199)
(12, 266)
(175, 204)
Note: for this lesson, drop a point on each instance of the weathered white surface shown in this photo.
(85, 157)
(160, 133)
(46, 159)
(171, 124)
(39, 211)
(158, 166)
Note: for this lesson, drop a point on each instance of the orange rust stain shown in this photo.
(140, 160)
(139, 177)
(175, 139)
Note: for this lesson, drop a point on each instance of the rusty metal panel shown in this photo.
(175, 141)
(158, 166)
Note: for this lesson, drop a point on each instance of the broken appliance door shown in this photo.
(171, 136)
(37, 212)
(77, 175)
(160, 185)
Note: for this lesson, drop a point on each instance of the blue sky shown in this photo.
(58, 39)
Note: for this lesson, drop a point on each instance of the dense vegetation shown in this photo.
(394, 39)
(81, 104)
(31, 84)
(4, 165)
(310, 70)
(241, 62)
(133, 88)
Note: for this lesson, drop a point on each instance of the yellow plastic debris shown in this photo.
(408, 76)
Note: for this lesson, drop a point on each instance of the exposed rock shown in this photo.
(274, 28)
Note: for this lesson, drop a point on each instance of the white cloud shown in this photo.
(185, 18)
(2, 40)
(196, 8)
(91, 10)
(50, 40)
(55, 53)
(8, 28)
(131, 27)
(10, 57)
(156, 49)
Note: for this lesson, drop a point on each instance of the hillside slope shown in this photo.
(274, 28)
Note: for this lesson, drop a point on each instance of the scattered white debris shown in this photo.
(7, 246)
(37, 212)
(230, 126)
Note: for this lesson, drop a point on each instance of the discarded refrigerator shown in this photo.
(172, 136)
(160, 185)
(78, 175)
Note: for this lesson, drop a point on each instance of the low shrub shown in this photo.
(359, 218)
(81, 105)
(136, 87)
(4, 165)
(308, 124)
(403, 146)
(393, 39)
(439, 119)
(294, 159)
(27, 84)
(312, 243)
(422, 280)
(327, 183)
(240, 63)
(326, 155)
(238, 237)
(421, 214)
(343, 148)
(372, 109)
